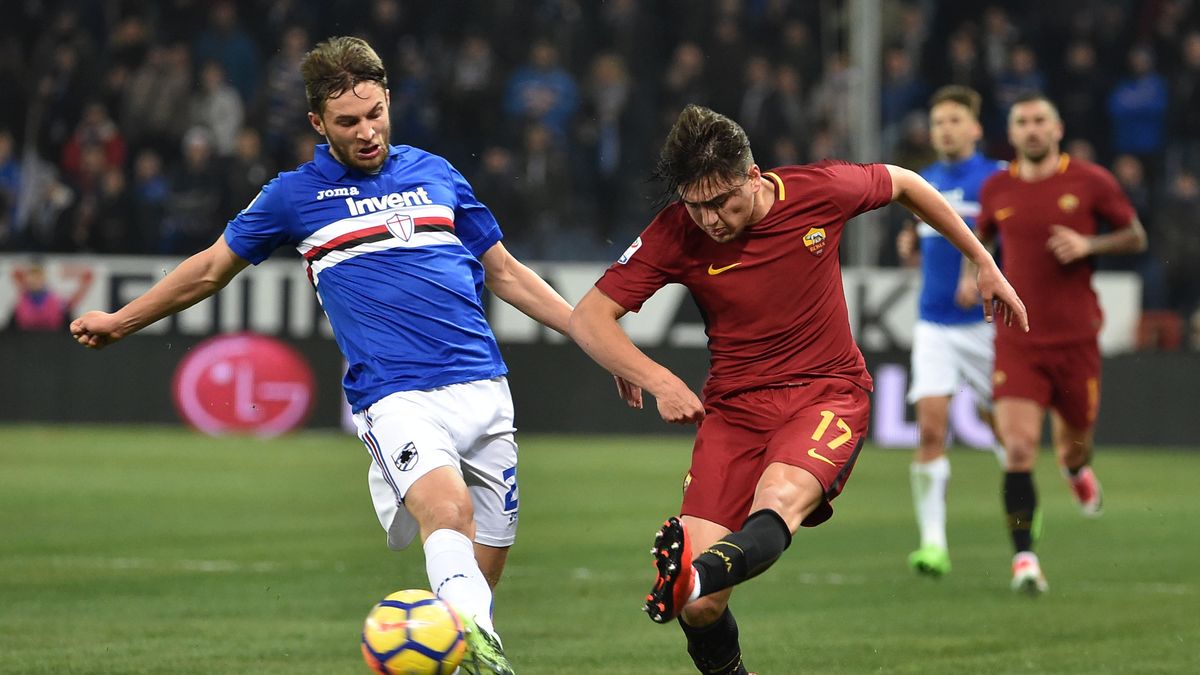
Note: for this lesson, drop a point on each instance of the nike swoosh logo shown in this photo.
(714, 271)
(812, 452)
(1003, 213)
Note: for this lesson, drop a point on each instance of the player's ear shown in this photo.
(317, 124)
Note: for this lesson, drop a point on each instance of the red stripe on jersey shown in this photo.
(349, 236)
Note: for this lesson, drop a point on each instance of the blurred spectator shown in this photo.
(726, 54)
(1137, 110)
(245, 172)
(757, 88)
(284, 103)
(57, 101)
(95, 129)
(544, 189)
(1177, 242)
(542, 92)
(496, 185)
(10, 187)
(217, 107)
(414, 109)
(606, 95)
(193, 218)
(683, 81)
(1081, 148)
(1080, 92)
(472, 98)
(1184, 120)
(226, 42)
(904, 90)
(830, 103)
(155, 110)
(150, 193)
(999, 38)
(38, 307)
(784, 112)
(1020, 77)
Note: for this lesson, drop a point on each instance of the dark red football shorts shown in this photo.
(817, 425)
(1063, 377)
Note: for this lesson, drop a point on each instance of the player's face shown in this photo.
(357, 127)
(1034, 130)
(723, 208)
(953, 130)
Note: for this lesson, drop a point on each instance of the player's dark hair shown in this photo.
(336, 66)
(956, 93)
(702, 144)
(1030, 97)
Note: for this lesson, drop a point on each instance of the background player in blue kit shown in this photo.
(398, 250)
(952, 344)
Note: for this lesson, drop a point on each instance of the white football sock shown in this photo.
(929, 481)
(454, 576)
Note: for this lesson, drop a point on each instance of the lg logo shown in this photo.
(243, 383)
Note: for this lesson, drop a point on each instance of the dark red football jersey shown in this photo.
(1061, 303)
(772, 300)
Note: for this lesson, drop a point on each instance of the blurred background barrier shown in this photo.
(1150, 397)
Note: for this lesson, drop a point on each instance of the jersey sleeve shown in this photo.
(262, 226)
(474, 223)
(858, 188)
(1112, 204)
(645, 267)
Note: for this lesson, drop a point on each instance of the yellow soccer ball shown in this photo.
(413, 632)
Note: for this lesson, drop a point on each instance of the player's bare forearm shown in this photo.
(594, 327)
(195, 279)
(521, 287)
(1130, 239)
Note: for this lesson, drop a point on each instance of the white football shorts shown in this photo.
(945, 358)
(468, 427)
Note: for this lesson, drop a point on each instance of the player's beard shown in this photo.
(348, 153)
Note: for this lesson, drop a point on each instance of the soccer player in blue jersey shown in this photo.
(952, 344)
(398, 250)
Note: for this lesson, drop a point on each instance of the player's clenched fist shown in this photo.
(96, 329)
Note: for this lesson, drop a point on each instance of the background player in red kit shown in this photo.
(1046, 209)
(786, 402)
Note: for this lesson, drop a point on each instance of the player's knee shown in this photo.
(451, 514)
(1020, 451)
(933, 441)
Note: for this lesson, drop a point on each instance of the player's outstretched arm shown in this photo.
(594, 327)
(522, 288)
(195, 279)
(918, 196)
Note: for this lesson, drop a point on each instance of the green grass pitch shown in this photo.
(153, 550)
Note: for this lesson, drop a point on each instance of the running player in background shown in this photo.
(787, 399)
(398, 250)
(1046, 210)
(952, 344)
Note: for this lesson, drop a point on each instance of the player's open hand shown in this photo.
(629, 392)
(1067, 245)
(999, 298)
(96, 329)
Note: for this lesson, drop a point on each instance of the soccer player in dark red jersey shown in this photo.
(1046, 209)
(786, 403)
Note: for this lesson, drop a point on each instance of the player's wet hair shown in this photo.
(336, 66)
(1030, 97)
(702, 144)
(956, 93)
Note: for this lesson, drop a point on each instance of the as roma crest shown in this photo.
(1068, 202)
(814, 239)
(400, 226)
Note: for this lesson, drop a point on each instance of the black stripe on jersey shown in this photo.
(351, 244)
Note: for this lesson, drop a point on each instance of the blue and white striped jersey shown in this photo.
(394, 258)
(941, 263)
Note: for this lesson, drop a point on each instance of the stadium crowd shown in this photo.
(133, 127)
